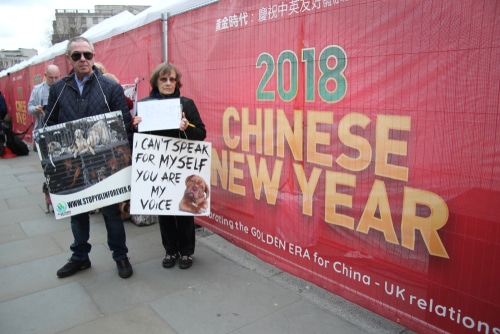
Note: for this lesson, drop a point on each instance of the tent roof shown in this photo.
(173, 7)
(106, 28)
(116, 25)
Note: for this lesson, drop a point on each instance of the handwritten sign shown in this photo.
(170, 176)
(159, 114)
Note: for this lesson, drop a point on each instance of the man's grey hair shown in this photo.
(76, 39)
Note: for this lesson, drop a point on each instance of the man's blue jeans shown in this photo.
(80, 226)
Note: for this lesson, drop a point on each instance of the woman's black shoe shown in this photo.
(169, 261)
(185, 262)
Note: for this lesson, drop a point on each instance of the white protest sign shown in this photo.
(159, 114)
(170, 176)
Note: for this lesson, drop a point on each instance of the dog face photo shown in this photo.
(54, 148)
(81, 144)
(195, 195)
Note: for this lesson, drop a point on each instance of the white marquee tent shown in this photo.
(118, 24)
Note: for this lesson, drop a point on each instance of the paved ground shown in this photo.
(226, 291)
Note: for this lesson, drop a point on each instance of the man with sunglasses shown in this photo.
(86, 92)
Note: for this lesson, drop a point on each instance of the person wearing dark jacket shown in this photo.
(177, 232)
(86, 92)
(3, 113)
(3, 107)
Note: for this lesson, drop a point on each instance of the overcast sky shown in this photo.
(28, 23)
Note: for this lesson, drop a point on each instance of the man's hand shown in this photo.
(39, 109)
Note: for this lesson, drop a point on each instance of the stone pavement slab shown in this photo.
(227, 290)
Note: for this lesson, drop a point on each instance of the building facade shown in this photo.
(9, 58)
(74, 22)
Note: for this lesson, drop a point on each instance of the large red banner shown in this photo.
(355, 144)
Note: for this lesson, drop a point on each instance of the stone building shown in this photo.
(9, 58)
(74, 22)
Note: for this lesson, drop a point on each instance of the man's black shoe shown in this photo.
(72, 267)
(124, 268)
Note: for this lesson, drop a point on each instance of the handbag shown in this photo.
(144, 220)
(139, 220)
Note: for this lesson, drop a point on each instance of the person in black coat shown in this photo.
(3, 107)
(3, 113)
(177, 232)
(86, 92)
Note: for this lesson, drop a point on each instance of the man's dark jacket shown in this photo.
(70, 105)
(3, 107)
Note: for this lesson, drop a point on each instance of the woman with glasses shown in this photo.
(177, 232)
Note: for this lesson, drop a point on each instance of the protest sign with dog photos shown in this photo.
(87, 163)
(170, 176)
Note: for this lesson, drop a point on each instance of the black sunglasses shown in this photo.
(78, 55)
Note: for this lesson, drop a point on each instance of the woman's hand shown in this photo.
(184, 123)
(136, 121)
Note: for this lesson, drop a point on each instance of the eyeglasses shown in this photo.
(78, 55)
(171, 79)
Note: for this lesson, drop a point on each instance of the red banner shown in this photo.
(354, 144)
(17, 100)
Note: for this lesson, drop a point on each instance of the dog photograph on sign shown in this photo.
(79, 154)
(195, 195)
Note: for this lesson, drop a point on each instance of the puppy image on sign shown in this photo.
(195, 196)
(80, 145)
(98, 134)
